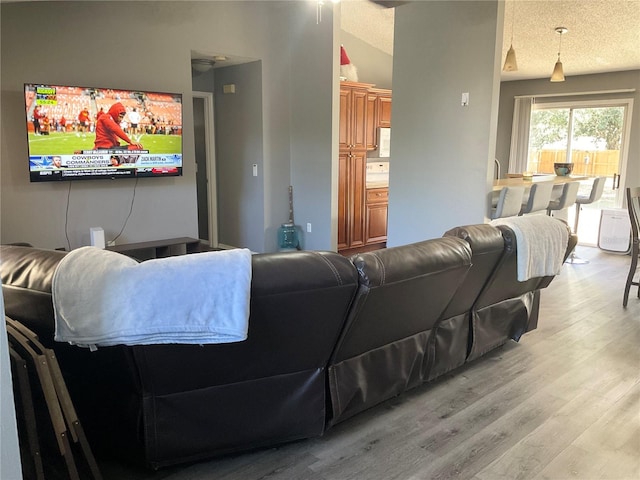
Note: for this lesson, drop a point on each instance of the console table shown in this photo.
(159, 248)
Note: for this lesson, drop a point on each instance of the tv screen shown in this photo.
(81, 133)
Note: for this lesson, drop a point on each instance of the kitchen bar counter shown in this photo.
(556, 179)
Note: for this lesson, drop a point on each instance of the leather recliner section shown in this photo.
(383, 348)
(170, 404)
(270, 388)
(506, 308)
(453, 336)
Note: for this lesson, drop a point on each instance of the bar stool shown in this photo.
(567, 198)
(539, 197)
(596, 192)
(509, 202)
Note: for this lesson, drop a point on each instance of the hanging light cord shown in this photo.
(513, 19)
(560, 44)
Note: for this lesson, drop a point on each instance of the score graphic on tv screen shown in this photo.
(78, 133)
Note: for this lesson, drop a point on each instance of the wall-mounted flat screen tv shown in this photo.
(81, 133)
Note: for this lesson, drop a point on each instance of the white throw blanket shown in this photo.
(541, 242)
(105, 298)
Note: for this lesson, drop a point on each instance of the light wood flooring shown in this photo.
(564, 403)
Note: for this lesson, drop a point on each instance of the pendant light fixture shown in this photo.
(510, 64)
(558, 73)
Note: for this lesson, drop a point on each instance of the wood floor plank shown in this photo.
(619, 425)
(533, 452)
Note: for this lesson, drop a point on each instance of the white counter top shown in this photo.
(377, 180)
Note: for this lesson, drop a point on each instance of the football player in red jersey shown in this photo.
(108, 130)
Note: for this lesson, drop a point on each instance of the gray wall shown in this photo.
(374, 66)
(312, 163)
(167, 33)
(576, 84)
(238, 121)
(442, 153)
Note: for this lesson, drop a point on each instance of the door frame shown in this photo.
(212, 201)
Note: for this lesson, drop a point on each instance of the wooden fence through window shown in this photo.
(592, 163)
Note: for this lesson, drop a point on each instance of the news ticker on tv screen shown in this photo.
(104, 163)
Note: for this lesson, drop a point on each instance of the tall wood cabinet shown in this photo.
(351, 199)
(363, 109)
(352, 162)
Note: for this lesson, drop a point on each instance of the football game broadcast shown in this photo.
(78, 133)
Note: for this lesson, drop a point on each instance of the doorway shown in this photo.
(204, 141)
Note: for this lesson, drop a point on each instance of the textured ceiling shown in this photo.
(369, 22)
(603, 35)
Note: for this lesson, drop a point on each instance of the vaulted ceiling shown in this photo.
(603, 35)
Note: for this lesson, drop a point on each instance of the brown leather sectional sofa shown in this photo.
(329, 337)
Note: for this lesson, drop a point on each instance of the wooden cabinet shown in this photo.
(362, 109)
(377, 195)
(376, 215)
(383, 108)
(353, 115)
(378, 114)
(351, 199)
(372, 122)
(354, 100)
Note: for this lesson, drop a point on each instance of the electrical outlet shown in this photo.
(308, 228)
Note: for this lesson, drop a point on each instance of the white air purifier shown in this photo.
(615, 231)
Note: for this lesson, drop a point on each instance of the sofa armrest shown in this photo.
(26, 275)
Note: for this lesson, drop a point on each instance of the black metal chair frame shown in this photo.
(633, 205)
(26, 350)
